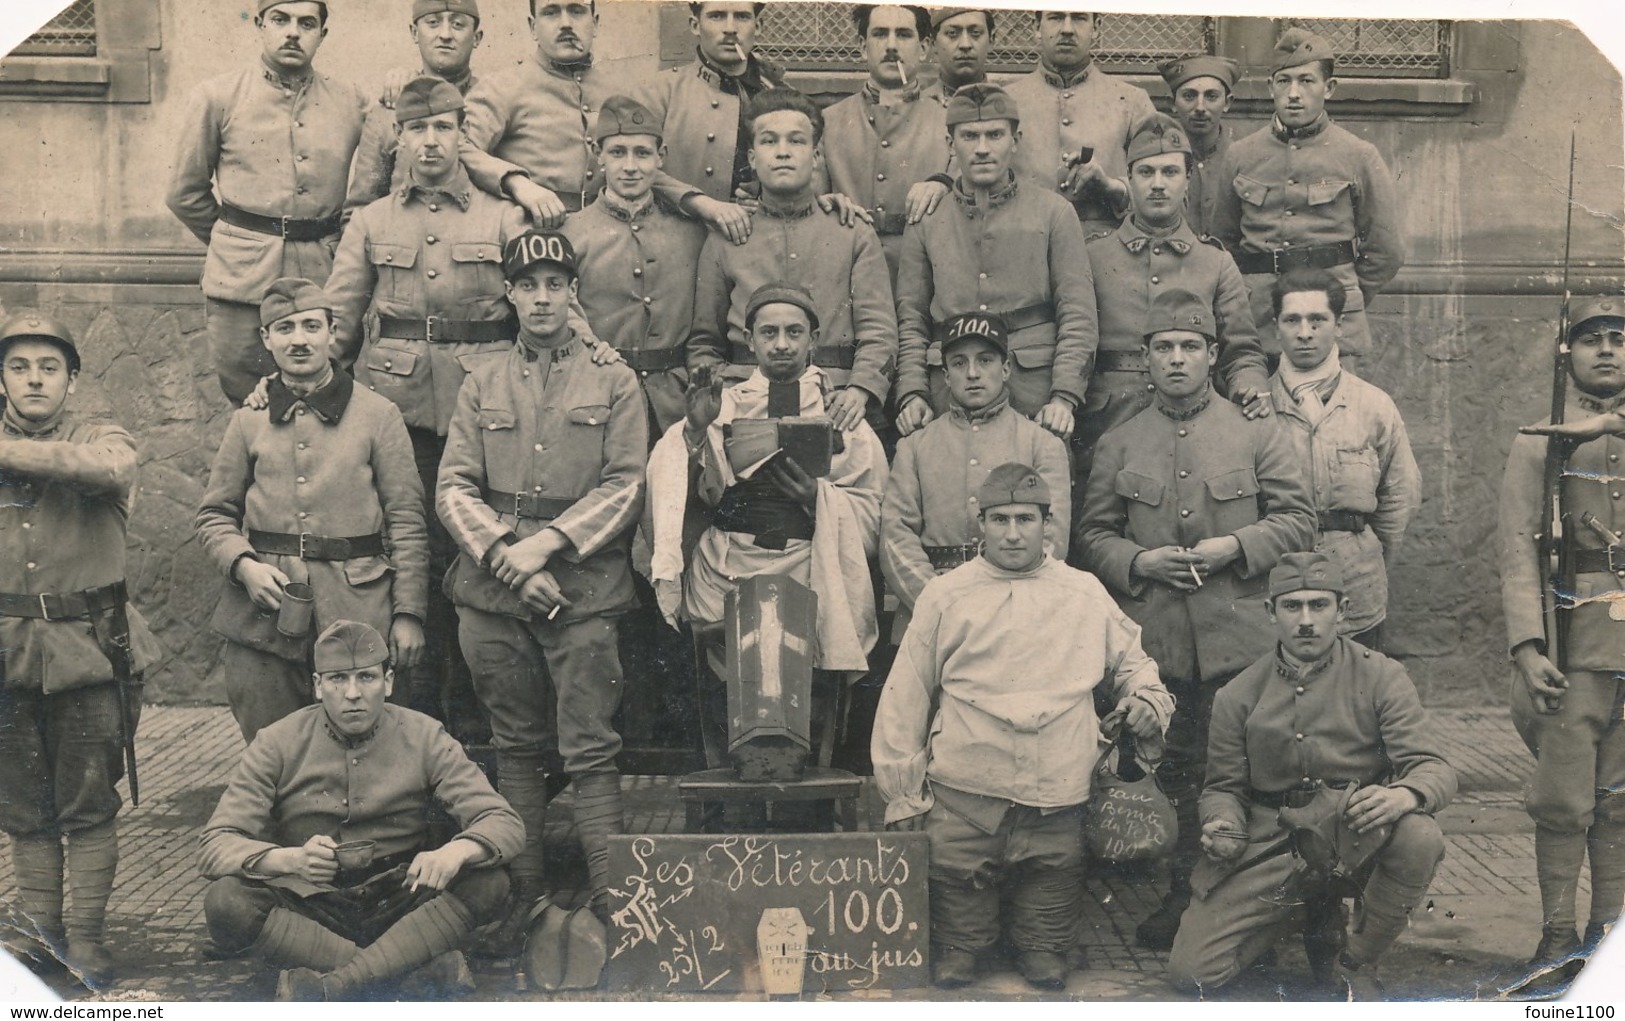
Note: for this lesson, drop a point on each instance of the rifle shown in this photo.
(1557, 456)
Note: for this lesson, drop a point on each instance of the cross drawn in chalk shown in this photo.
(770, 634)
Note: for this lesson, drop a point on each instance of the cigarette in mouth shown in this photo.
(902, 72)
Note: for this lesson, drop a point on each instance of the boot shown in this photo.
(521, 780)
(952, 968)
(1550, 970)
(1325, 936)
(92, 860)
(300, 985)
(424, 934)
(289, 938)
(37, 861)
(598, 817)
(1355, 983)
(1158, 929)
(1043, 969)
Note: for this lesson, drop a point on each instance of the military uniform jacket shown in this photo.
(1132, 267)
(558, 428)
(1158, 482)
(65, 494)
(875, 152)
(637, 286)
(329, 466)
(1358, 459)
(1206, 183)
(844, 269)
(930, 497)
(1594, 482)
(376, 172)
(992, 691)
(1060, 117)
(1355, 715)
(1315, 186)
(1025, 248)
(272, 146)
(415, 253)
(700, 109)
(301, 777)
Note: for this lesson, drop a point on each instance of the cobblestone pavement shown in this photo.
(1481, 913)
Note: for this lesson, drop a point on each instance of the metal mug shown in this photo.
(355, 854)
(298, 606)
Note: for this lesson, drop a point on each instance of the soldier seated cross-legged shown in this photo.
(318, 848)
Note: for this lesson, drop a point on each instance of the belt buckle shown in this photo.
(303, 538)
(1616, 559)
(428, 328)
(282, 226)
(518, 505)
(44, 610)
(1275, 260)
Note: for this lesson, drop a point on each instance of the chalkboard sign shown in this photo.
(776, 913)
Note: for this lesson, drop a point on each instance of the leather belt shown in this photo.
(1342, 521)
(286, 227)
(1309, 257)
(823, 357)
(946, 558)
(775, 538)
(1294, 797)
(527, 505)
(654, 359)
(1121, 361)
(890, 224)
(1600, 561)
(439, 330)
(308, 546)
(62, 605)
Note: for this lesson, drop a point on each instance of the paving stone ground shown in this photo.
(1481, 913)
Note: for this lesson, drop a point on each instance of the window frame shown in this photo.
(127, 35)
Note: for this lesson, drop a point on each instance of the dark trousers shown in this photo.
(1184, 766)
(61, 758)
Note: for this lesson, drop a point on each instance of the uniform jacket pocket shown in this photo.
(1251, 191)
(1233, 485)
(1327, 191)
(590, 415)
(478, 270)
(1131, 485)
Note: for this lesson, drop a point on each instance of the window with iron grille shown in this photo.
(1384, 47)
(821, 37)
(70, 34)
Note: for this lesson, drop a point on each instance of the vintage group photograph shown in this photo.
(570, 501)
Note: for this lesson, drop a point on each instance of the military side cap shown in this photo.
(1180, 310)
(1309, 570)
(981, 102)
(33, 326)
(941, 14)
(982, 326)
(1607, 306)
(622, 116)
(538, 246)
(1013, 482)
(289, 295)
(349, 645)
(1181, 70)
(781, 293)
(1158, 135)
(1299, 46)
(265, 5)
(422, 7)
(426, 96)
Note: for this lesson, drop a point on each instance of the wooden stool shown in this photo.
(704, 793)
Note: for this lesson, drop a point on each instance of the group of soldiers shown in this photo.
(1077, 365)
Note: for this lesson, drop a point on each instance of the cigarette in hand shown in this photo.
(554, 612)
(1194, 575)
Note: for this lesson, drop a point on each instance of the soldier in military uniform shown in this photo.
(986, 738)
(883, 145)
(275, 142)
(1005, 247)
(1079, 120)
(446, 32)
(353, 768)
(1155, 253)
(961, 39)
(541, 486)
(637, 257)
(1188, 507)
(1352, 442)
(74, 649)
(318, 488)
(1304, 193)
(1566, 701)
(1316, 712)
(1202, 87)
(929, 518)
(793, 240)
(417, 275)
